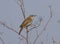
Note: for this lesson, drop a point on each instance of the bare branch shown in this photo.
(23, 37)
(44, 28)
(2, 23)
(50, 10)
(22, 7)
(8, 27)
(27, 41)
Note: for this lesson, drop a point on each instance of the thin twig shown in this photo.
(23, 12)
(44, 26)
(23, 37)
(27, 36)
(22, 7)
(2, 23)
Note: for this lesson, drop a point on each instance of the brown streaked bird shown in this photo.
(27, 22)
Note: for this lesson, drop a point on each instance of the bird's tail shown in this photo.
(20, 31)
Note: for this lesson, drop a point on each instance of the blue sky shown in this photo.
(10, 13)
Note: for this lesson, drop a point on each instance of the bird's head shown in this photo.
(32, 16)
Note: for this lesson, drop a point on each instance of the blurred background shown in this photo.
(10, 14)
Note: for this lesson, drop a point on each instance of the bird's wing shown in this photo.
(26, 22)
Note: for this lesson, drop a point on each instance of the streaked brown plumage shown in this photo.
(26, 22)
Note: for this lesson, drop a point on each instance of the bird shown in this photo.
(27, 22)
